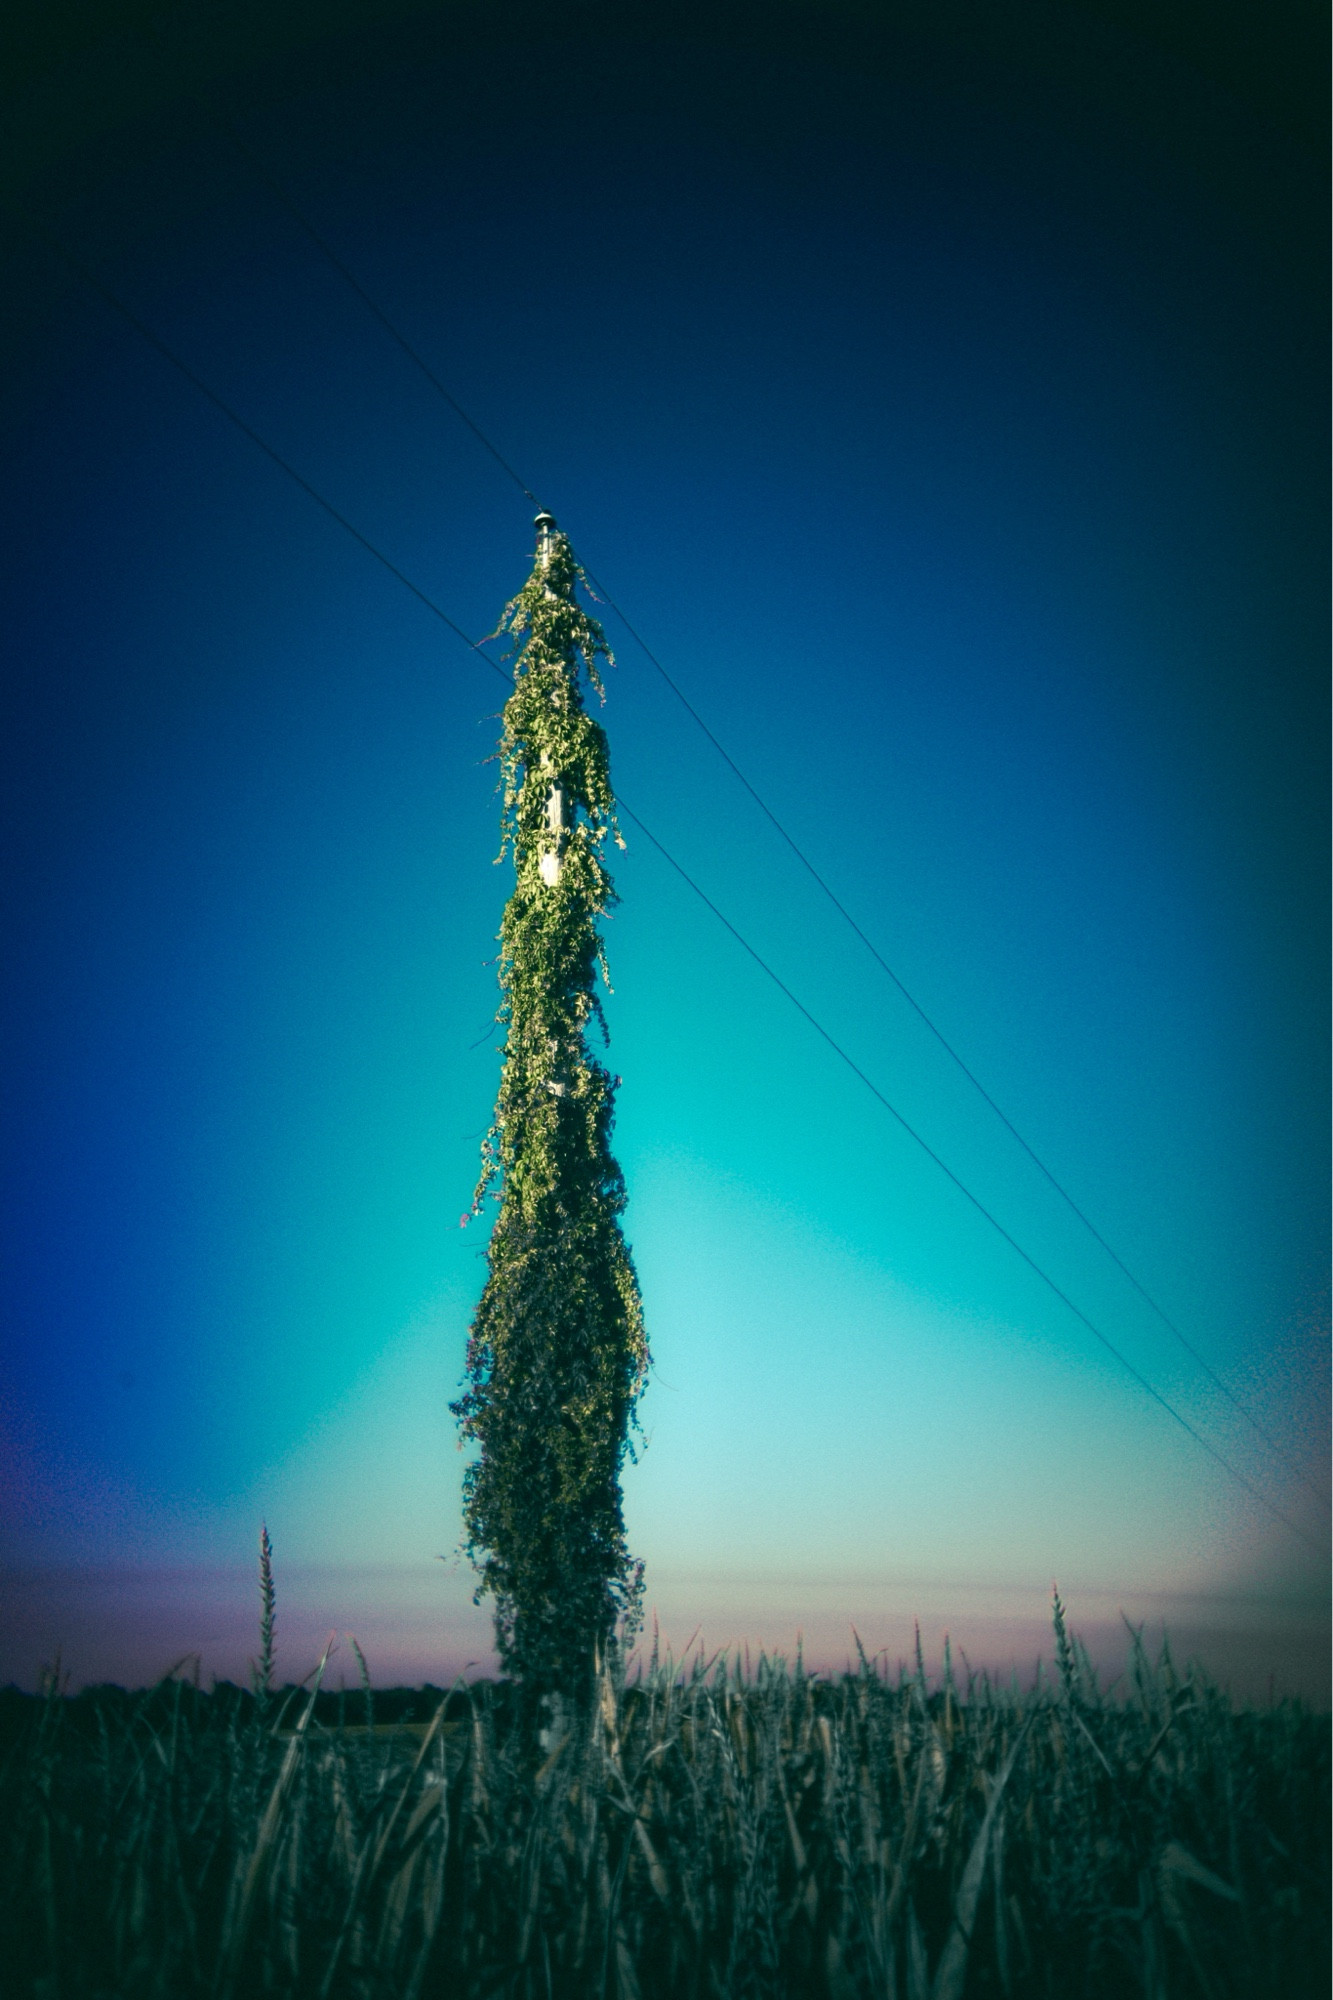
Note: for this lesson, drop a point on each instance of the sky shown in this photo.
(942, 399)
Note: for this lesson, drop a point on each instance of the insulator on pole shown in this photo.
(545, 526)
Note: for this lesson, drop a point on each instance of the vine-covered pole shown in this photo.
(557, 1356)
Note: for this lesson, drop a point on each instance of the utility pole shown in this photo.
(557, 1356)
(557, 803)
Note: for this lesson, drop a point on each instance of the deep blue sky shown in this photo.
(946, 407)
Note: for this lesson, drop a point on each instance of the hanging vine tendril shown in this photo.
(557, 1356)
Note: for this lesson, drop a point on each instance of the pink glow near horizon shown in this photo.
(419, 1626)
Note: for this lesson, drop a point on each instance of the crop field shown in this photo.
(703, 1833)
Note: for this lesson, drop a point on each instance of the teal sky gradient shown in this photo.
(947, 429)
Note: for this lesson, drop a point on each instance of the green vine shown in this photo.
(557, 1355)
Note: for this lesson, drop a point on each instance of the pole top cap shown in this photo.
(545, 526)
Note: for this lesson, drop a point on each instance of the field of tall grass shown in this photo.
(704, 1833)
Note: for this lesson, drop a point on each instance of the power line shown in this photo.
(951, 1051)
(963, 1189)
(168, 354)
(220, 404)
(326, 250)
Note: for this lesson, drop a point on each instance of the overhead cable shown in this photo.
(327, 251)
(474, 646)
